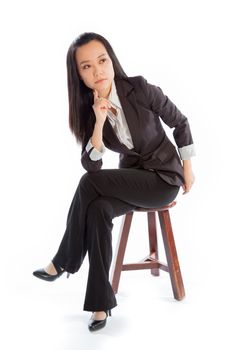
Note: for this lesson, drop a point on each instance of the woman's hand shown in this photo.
(189, 177)
(101, 106)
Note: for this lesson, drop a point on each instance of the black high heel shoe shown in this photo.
(42, 274)
(95, 325)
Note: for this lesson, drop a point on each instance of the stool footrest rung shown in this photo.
(145, 265)
(152, 259)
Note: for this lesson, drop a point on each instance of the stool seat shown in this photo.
(148, 210)
(151, 261)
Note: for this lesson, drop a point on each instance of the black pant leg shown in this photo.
(72, 249)
(99, 293)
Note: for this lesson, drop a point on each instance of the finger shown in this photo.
(111, 105)
(185, 188)
(95, 92)
(103, 102)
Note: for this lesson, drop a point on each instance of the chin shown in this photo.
(104, 88)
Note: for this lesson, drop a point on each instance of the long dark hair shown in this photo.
(81, 114)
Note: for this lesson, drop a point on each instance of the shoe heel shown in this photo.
(68, 275)
(109, 313)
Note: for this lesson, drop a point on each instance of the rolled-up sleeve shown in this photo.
(91, 158)
(187, 152)
(94, 153)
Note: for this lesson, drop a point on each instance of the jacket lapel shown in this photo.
(129, 106)
(112, 142)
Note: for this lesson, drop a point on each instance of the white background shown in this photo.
(185, 47)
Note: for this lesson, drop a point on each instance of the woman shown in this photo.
(109, 109)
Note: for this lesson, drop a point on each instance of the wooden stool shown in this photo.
(151, 261)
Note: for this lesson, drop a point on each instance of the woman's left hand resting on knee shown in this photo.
(189, 177)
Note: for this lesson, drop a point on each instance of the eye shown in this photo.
(103, 60)
(86, 66)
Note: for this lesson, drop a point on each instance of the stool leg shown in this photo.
(171, 254)
(120, 251)
(153, 240)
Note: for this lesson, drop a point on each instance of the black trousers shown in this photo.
(99, 198)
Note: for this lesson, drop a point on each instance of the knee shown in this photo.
(84, 180)
(100, 207)
(85, 184)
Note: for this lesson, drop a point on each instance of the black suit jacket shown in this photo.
(143, 105)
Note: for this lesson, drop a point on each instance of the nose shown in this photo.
(97, 72)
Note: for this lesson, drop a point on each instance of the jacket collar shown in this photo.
(123, 86)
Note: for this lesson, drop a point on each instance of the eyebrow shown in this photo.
(103, 54)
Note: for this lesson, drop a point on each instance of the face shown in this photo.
(95, 67)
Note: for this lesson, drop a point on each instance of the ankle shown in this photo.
(50, 269)
(99, 315)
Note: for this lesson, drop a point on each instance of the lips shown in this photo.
(100, 81)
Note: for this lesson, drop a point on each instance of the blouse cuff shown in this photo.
(94, 153)
(187, 152)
